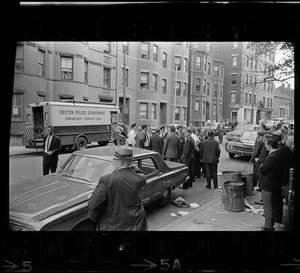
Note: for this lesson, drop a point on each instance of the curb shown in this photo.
(191, 214)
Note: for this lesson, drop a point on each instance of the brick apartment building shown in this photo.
(93, 71)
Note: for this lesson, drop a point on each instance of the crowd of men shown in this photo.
(192, 146)
(272, 158)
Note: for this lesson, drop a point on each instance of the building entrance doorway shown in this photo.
(162, 113)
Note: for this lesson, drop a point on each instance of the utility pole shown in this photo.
(124, 91)
(252, 99)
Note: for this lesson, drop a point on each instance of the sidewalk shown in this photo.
(213, 217)
(21, 150)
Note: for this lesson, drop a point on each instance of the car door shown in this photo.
(155, 185)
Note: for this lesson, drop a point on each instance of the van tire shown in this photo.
(231, 155)
(81, 143)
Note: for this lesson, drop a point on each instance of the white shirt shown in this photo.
(131, 137)
(47, 144)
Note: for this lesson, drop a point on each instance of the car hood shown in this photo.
(39, 198)
(242, 141)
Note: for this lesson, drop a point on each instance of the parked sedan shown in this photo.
(242, 146)
(237, 133)
(59, 201)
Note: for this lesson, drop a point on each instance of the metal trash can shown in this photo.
(234, 199)
(229, 176)
(247, 178)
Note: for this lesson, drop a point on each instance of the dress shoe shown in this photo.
(183, 187)
(215, 187)
(208, 187)
(259, 202)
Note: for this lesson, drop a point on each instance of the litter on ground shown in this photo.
(250, 208)
(194, 205)
(183, 213)
(180, 202)
(173, 214)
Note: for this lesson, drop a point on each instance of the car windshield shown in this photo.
(249, 135)
(87, 169)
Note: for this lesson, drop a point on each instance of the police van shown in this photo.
(76, 123)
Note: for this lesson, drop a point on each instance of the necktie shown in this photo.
(48, 143)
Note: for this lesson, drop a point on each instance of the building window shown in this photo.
(165, 60)
(217, 71)
(126, 77)
(198, 80)
(197, 107)
(247, 79)
(177, 113)
(215, 90)
(107, 46)
(106, 77)
(203, 108)
(208, 68)
(251, 62)
(17, 107)
(19, 59)
(205, 63)
(154, 82)
(268, 102)
(178, 88)
(232, 97)
(247, 60)
(41, 61)
(85, 71)
(184, 89)
(177, 63)
(246, 98)
(153, 110)
(143, 110)
(233, 78)
(254, 99)
(235, 44)
(250, 97)
(145, 51)
(155, 53)
(164, 86)
(222, 70)
(250, 80)
(204, 86)
(255, 81)
(66, 67)
(126, 48)
(234, 60)
(144, 80)
(208, 89)
(185, 65)
(198, 62)
(264, 84)
(271, 103)
(268, 86)
(221, 91)
(255, 65)
(264, 101)
(184, 113)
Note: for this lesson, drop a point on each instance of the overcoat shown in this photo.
(210, 151)
(157, 143)
(171, 146)
(115, 204)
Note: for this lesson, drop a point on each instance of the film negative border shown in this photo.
(135, 252)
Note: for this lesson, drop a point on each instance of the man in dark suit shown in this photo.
(209, 155)
(187, 157)
(171, 145)
(286, 159)
(141, 137)
(157, 142)
(259, 144)
(268, 182)
(52, 147)
(115, 204)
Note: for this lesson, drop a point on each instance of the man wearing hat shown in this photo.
(286, 159)
(132, 135)
(115, 204)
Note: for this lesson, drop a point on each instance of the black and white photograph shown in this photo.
(152, 136)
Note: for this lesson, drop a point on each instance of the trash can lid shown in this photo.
(234, 183)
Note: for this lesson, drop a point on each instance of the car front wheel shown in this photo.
(231, 155)
(165, 198)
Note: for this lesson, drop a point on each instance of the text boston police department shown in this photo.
(82, 113)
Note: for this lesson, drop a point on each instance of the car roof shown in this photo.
(108, 151)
